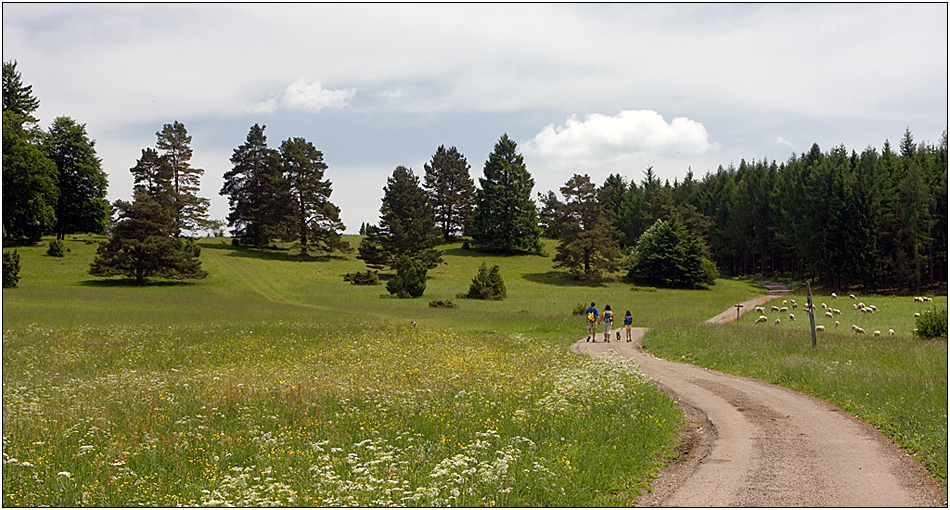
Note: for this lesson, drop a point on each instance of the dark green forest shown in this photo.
(875, 220)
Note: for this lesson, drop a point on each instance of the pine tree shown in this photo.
(588, 240)
(506, 217)
(258, 195)
(82, 206)
(153, 175)
(18, 98)
(667, 255)
(189, 211)
(406, 224)
(314, 221)
(143, 246)
(450, 189)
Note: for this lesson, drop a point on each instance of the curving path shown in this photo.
(751, 443)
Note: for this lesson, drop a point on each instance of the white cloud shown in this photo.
(783, 141)
(631, 133)
(308, 95)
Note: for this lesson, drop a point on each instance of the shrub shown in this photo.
(56, 248)
(410, 279)
(487, 284)
(579, 309)
(667, 255)
(932, 324)
(442, 303)
(11, 269)
(358, 278)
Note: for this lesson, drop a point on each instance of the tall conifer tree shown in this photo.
(82, 206)
(257, 193)
(506, 217)
(451, 189)
(189, 211)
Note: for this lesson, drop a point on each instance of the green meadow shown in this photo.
(274, 382)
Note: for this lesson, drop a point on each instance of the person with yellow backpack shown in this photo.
(592, 316)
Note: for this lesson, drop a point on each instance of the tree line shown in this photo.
(877, 219)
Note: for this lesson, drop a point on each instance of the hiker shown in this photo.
(608, 322)
(627, 322)
(592, 315)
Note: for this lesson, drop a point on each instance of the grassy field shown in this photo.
(273, 381)
(898, 384)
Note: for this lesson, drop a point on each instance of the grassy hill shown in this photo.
(274, 381)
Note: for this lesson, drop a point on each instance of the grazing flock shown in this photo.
(831, 313)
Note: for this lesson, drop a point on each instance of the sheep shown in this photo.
(861, 305)
(791, 316)
(916, 315)
(873, 308)
(774, 308)
(760, 309)
(783, 309)
(829, 315)
(918, 299)
(834, 296)
(784, 302)
(794, 305)
(819, 328)
(890, 332)
(858, 330)
(761, 318)
(824, 306)
(837, 323)
(777, 322)
(876, 332)
(928, 300)
(852, 296)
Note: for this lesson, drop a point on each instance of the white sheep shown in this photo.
(783, 309)
(777, 322)
(928, 300)
(784, 302)
(858, 330)
(794, 305)
(918, 299)
(834, 296)
(819, 328)
(824, 306)
(791, 316)
(916, 315)
(761, 318)
(774, 308)
(876, 332)
(829, 315)
(760, 309)
(890, 332)
(837, 323)
(861, 305)
(852, 296)
(873, 308)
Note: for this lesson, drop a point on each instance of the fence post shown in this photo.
(811, 317)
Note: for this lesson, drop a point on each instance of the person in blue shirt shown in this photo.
(592, 315)
(627, 322)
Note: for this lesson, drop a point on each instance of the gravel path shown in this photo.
(750, 443)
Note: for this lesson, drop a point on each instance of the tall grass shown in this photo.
(313, 415)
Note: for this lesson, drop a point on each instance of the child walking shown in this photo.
(627, 322)
(608, 321)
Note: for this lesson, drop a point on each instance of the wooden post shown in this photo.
(811, 317)
(738, 306)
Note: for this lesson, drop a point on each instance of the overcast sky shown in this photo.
(582, 88)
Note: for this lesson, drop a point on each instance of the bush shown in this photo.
(56, 248)
(410, 279)
(579, 309)
(667, 255)
(932, 324)
(11, 269)
(358, 278)
(442, 303)
(487, 284)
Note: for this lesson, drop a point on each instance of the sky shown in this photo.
(595, 89)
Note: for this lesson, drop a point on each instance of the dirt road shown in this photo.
(750, 443)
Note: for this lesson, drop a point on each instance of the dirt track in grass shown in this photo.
(751, 443)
